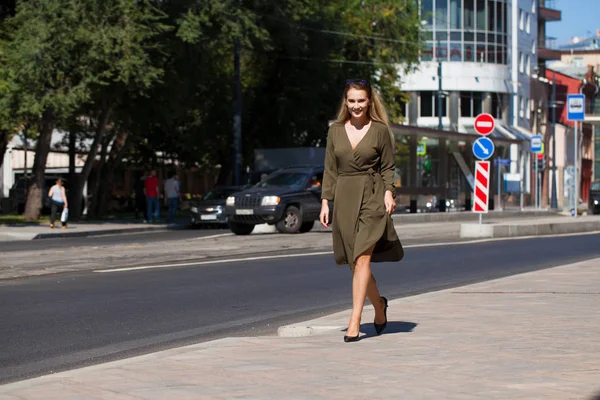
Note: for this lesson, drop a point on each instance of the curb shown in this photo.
(514, 230)
(104, 232)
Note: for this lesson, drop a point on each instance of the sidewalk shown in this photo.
(82, 229)
(529, 336)
(77, 229)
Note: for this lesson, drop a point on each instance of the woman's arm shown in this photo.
(388, 164)
(64, 196)
(330, 173)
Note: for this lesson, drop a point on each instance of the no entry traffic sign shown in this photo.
(484, 124)
(482, 186)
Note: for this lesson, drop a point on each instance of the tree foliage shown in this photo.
(146, 77)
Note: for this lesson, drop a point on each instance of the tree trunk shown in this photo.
(114, 160)
(33, 205)
(3, 145)
(72, 169)
(82, 177)
(98, 183)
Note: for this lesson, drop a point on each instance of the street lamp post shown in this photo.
(237, 116)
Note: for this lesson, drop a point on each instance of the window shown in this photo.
(577, 61)
(521, 63)
(527, 109)
(455, 14)
(469, 16)
(528, 23)
(491, 11)
(441, 15)
(429, 105)
(426, 104)
(528, 65)
(471, 104)
(533, 47)
(496, 105)
(521, 107)
(533, 7)
(427, 12)
(481, 19)
(521, 20)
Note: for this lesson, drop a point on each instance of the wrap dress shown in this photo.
(355, 180)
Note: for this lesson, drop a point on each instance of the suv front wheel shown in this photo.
(291, 221)
(241, 229)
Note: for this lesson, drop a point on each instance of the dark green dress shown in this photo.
(355, 180)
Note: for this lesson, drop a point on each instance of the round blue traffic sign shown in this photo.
(483, 148)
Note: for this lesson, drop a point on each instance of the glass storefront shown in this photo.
(465, 30)
(432, 168)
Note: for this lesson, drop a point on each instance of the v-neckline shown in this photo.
(361, 139)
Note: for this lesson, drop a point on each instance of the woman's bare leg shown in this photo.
(363, 284)
(376, 301)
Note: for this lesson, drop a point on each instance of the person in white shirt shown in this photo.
(58, 198)
(172, 195)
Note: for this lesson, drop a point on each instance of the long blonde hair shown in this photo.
(376, 110)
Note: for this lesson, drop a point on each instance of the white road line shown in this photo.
(212, 262)
(320, 253)
(211, 236)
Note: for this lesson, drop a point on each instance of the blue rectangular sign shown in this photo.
(502, 161)
(575, 107)
(536, 143)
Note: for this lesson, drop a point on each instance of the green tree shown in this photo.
(69, 58)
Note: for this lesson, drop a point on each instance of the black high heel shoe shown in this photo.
(379, 328)
(349, 339)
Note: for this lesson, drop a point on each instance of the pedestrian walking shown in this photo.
(140, 197)
(359, 180)
(58, 203)
(172, 194)
(152, 193)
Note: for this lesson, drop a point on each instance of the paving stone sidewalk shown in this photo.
(529, 336)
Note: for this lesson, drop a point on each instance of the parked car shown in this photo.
(210, 209)
(595, 198)
(289, 198)
(18, 193)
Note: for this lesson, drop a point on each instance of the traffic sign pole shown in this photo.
(536, 181)
(575, 162)
(575, 113)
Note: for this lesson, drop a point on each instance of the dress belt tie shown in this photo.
(370, 172)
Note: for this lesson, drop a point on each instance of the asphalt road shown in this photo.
(61, 322)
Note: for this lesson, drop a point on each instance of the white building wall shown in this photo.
(522, 32)
(458, 76)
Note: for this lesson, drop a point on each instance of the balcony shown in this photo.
(547, 11)
(547, 49)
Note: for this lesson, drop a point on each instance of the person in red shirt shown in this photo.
(151, 191)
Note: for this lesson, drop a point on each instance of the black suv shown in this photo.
(289, 198)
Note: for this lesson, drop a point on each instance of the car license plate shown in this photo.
(208, 217)
(244, 212)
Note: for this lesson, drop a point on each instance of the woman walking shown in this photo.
(359, 180)
(58, 198)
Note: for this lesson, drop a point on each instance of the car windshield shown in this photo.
(596, 186)
(220, 193)
(292, 179)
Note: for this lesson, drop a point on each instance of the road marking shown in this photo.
(211, 236)
(320, 253)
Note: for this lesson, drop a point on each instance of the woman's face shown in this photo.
(357, 101)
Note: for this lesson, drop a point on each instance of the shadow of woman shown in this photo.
(392, 327)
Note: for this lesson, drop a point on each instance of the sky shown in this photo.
(579, 18)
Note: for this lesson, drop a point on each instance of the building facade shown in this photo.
(479, 57)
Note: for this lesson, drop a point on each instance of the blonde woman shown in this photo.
(359, 180)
